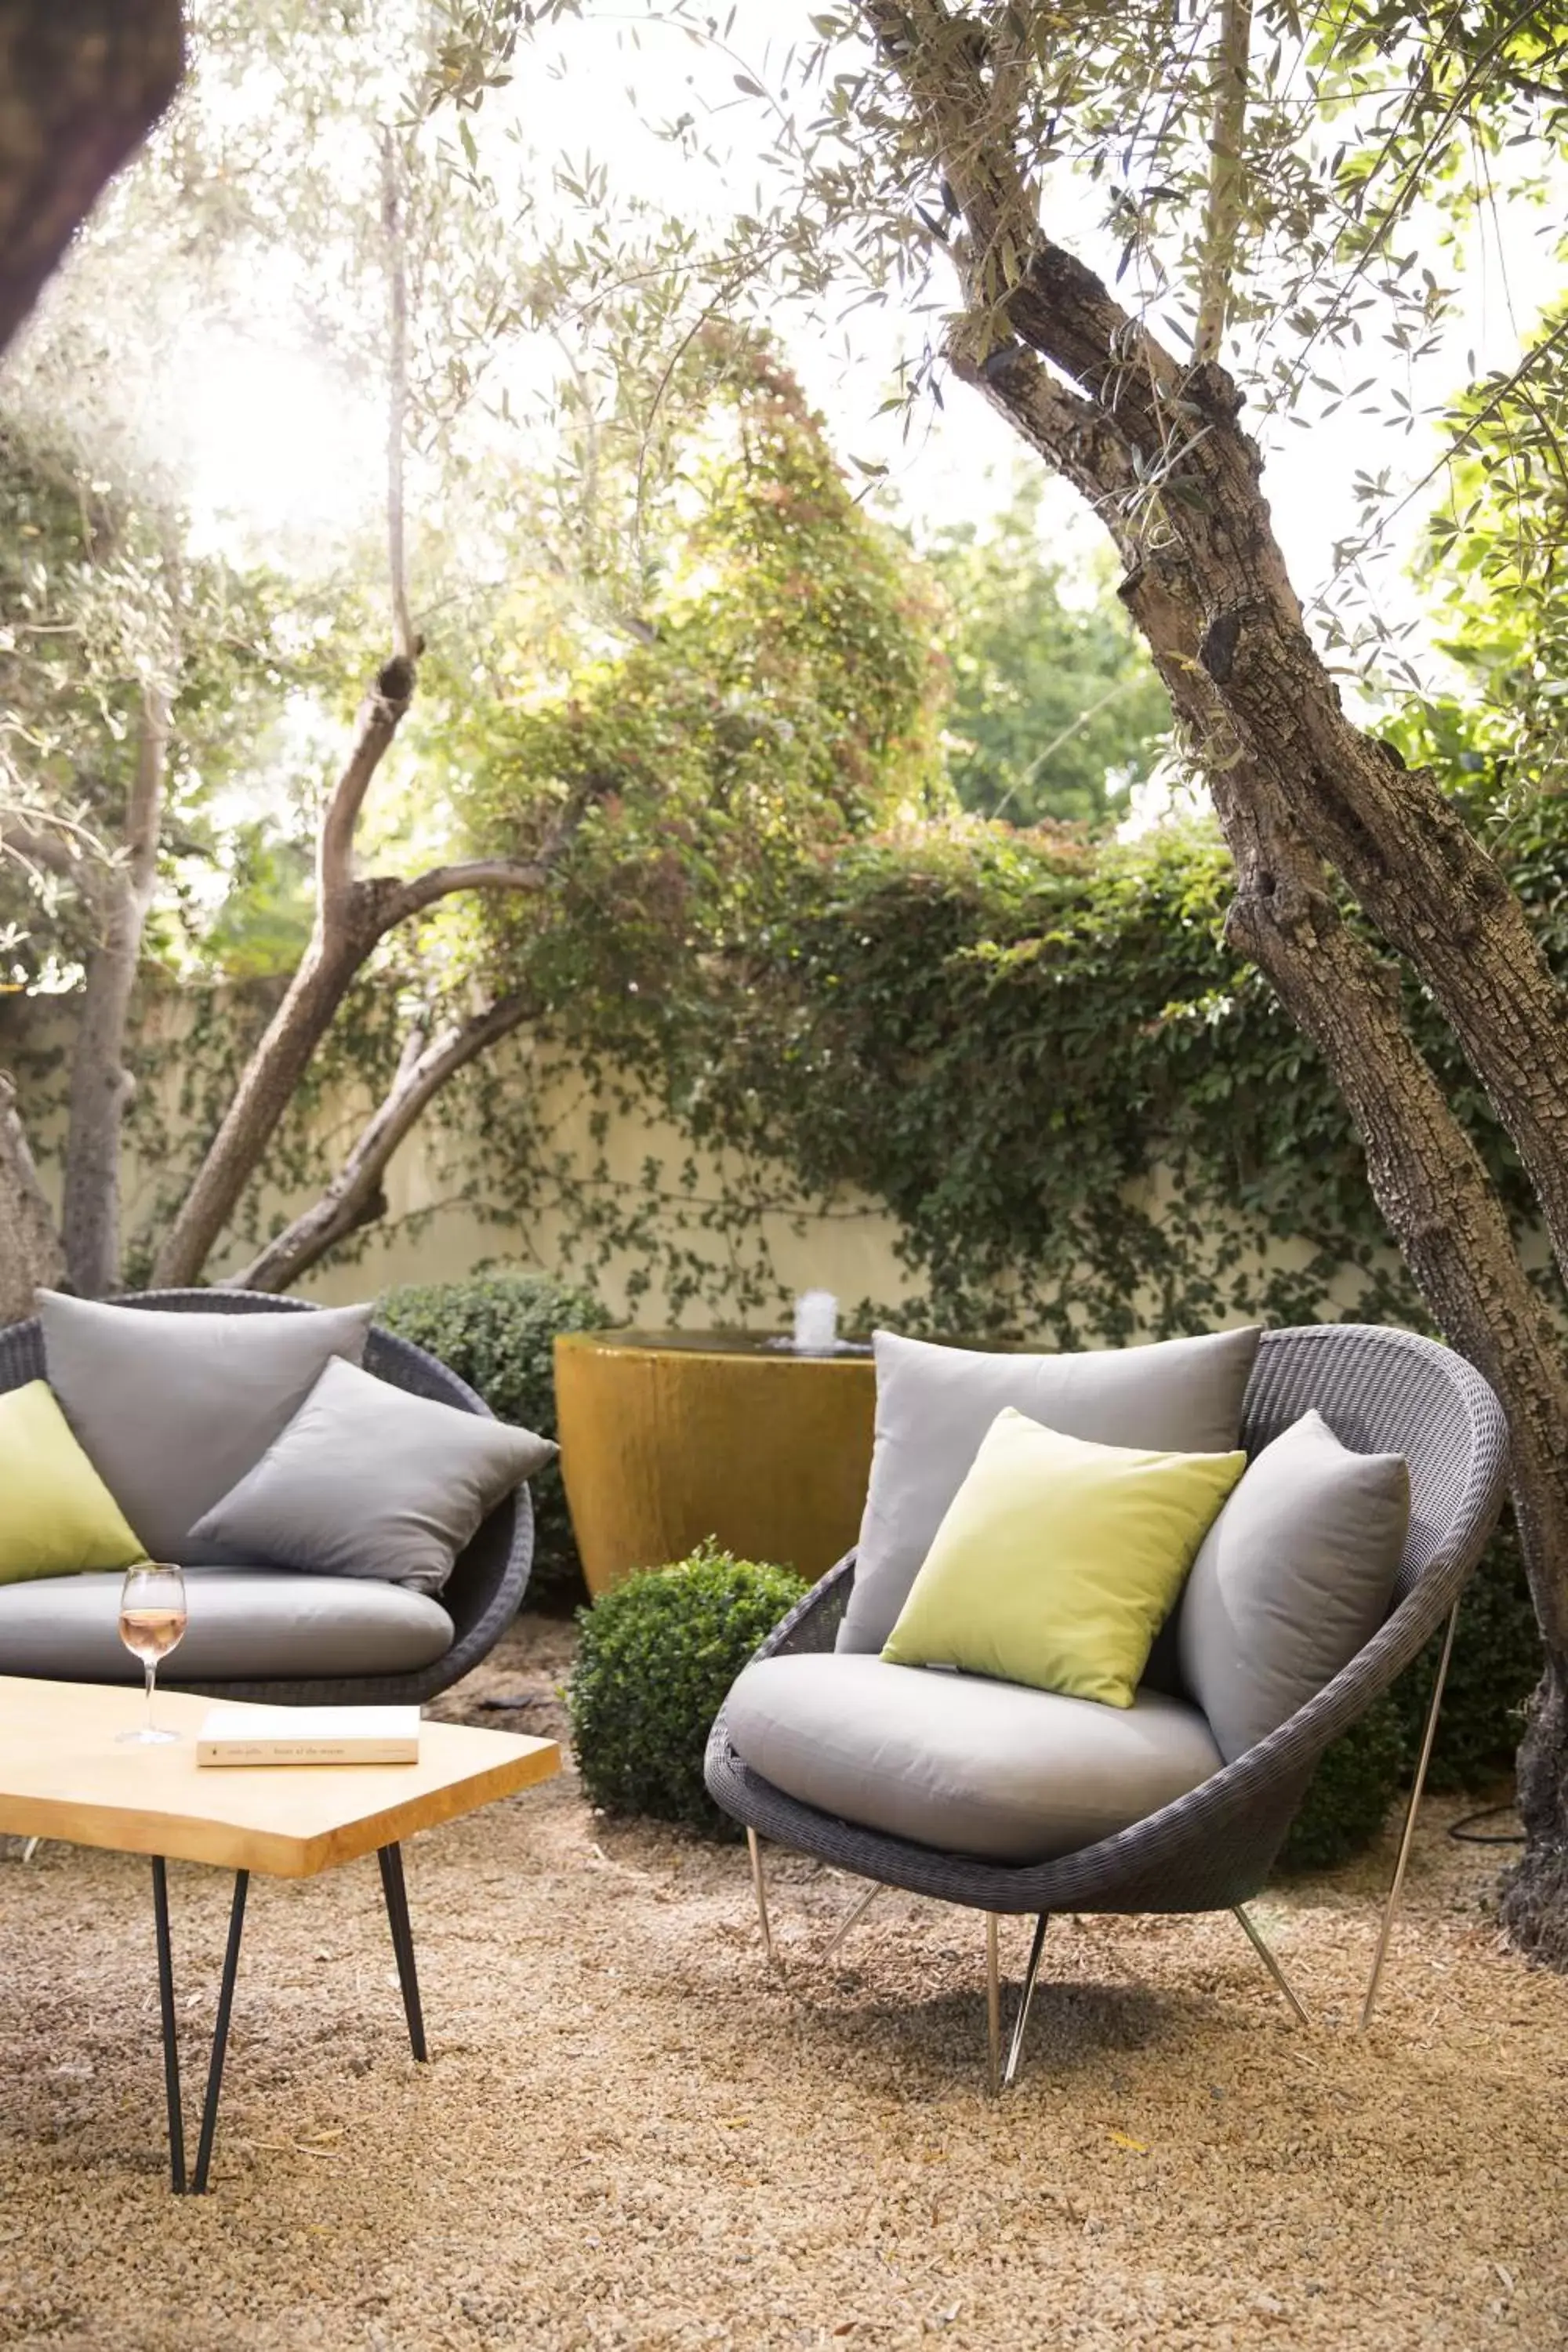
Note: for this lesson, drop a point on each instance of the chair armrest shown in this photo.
(812, 1623)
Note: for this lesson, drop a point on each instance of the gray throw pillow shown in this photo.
(367, 1480)
(171, 1409)
(1294, 1577)
(936, 1404)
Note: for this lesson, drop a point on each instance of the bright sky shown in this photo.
(270, 433)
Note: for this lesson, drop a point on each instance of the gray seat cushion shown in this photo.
(1294, 1577)
(369, 1481)
(172, 1409)
(961, 1763)
(245, 1625)
(936, 1404)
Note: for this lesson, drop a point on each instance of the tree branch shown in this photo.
(354, 1196)
(407, 898)
(101, 1084)
(380, 715)
(80, 87)
(402, 643)
(1222, 217)
(30, 1251)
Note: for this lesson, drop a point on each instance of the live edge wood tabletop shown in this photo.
(63, 1775)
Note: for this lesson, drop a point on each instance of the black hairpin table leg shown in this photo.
(220, 2035)
(167, 2009)
(391, 1860)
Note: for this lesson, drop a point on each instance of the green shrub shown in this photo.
(496, 1332)
(657, 1656)
(1352, 1791)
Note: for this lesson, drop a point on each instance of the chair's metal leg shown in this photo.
(30, 1848)
(1016, 2048)
(993, 2009)
(220, 2035)
(1390, 1907)
(857, 1911)
(1270, 1963)
(759, 1890)
(392, 1886)
(170, 2041)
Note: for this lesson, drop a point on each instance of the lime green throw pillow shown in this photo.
(1059, 1561)
(56, 1516)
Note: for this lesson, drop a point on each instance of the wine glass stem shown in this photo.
(151, 1667)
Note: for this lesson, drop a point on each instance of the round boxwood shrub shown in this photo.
(496, 1332)
(657, 1656)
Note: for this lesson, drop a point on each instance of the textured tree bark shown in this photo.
(100, 1085)
(354, 1197)
(80, 87)
(30, 1251)
(1295, 785)
(1533, 1904)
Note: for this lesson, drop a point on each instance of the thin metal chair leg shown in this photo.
(993, 2009)
(856, 1913)
(220, 2035)
(397, 1893)
(1255, 1939)
(170, 2041)
(759, 1890)
(1391, 1906)
(1016, 2048)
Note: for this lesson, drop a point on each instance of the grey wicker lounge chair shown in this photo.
(487, 1584)
(1381, 1391)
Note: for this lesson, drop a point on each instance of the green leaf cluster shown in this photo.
(657, 1658)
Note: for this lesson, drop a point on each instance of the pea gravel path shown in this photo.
(632, 2136)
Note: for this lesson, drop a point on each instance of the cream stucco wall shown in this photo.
(433, 1233)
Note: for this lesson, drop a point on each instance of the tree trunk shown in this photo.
(1534, 1901)
(101, 1084)
(354, 1197)
(30, 1251)
(1155, 445)
(80, 87)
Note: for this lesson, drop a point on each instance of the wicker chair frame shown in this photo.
(1381, 1391)
(487, 1584)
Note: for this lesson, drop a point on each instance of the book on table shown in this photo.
(308, 1734)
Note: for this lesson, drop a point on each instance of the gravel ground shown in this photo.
(632, 2135)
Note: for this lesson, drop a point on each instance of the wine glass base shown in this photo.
(145, 1738)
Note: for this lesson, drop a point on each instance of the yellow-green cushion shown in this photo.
(56, 1516)
(1059, 1561)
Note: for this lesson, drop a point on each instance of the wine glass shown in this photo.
(152, 1622)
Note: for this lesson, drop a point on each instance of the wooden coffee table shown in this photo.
(63, 1775)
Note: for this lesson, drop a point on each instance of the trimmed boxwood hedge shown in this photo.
(657, 1656)
(497, 1333)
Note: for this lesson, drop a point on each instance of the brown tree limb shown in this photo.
(354, 1197)
(1222, 213)
(350, 921)
(470, 874)
(100, 1085)
(402, 641)
(80, 87)
(30, 1251)
(380, 715)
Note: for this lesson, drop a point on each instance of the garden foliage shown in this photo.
(658, 1656)
(497, 1333)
